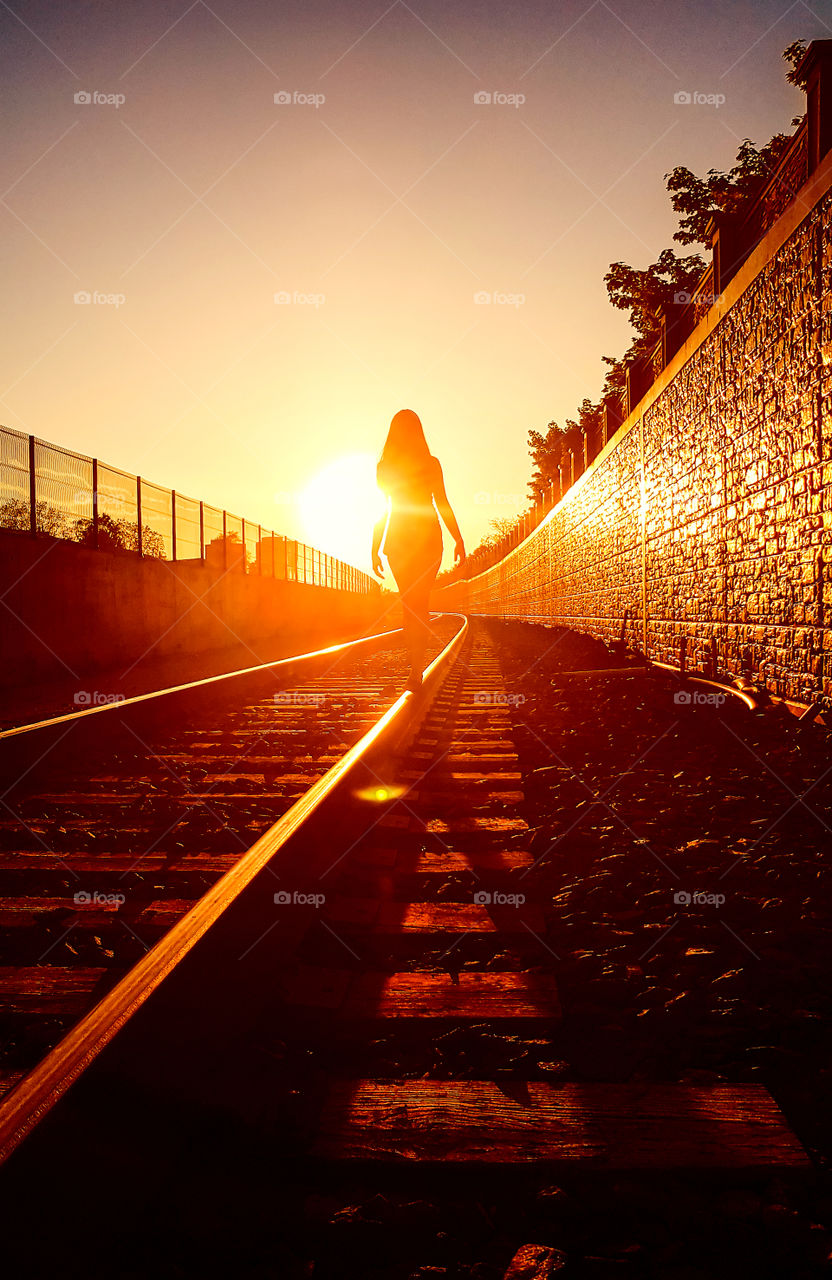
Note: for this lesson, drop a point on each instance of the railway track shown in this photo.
(114, 823)
(373, 1006)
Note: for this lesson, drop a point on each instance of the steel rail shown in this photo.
(536, 619)
(753, 703)
(38, 1092)
(207, 682)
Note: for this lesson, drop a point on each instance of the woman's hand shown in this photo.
(459, 551)
(378, 567)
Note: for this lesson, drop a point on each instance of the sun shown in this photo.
(340, 505)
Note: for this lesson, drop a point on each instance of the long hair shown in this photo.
(405, 450)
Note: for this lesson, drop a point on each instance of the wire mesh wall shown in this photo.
(251, 541)
(186, 525)
(47, 491)
(63, 491)
(15, 512)
(118, 508)
(157, 520)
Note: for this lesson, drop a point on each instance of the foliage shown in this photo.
(644, 293)
(699, 199)
(120, 535)
(793, 54)
(616, 378)
(113, 535)
(15, 514)
(546, 451)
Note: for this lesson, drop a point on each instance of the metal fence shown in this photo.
(47, 491)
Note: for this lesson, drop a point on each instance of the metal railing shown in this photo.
(48, 491)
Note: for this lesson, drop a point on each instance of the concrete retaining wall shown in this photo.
(67, 610)
(708, 514)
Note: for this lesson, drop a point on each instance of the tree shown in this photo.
(793, 54)
(119, 535)
(546, 451)
(15, 514)
(644, 293)
(589, 421)
(698, 199)
(616, 377)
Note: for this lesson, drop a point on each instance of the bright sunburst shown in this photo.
(340, 506)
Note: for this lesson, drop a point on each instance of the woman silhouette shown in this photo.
(411, 479)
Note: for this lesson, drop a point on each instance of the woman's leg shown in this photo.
(415, 583)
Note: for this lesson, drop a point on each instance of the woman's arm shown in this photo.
(443, 506)
(378, 533)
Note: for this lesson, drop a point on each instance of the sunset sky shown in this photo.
(381, 211)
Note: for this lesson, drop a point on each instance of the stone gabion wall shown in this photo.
(709, 514)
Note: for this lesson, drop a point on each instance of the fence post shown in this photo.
(201, 530)
(173, 524)
(33, 499)
(816, 69)
(139, 538)
(611, 417)
(245, 552)
(95, 503)
(224, 541)
(639, 377)
(729, 250)
(260, 549)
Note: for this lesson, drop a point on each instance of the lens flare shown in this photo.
(380, 794)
